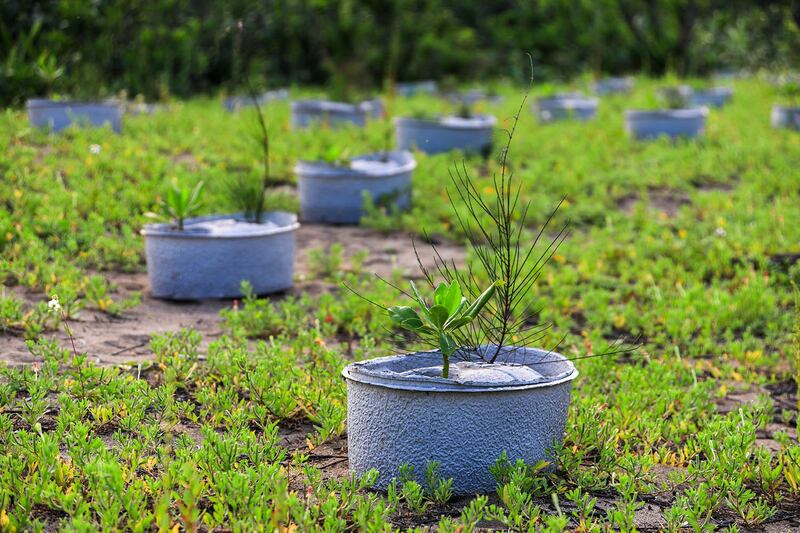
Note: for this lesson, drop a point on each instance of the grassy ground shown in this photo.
(681, 245)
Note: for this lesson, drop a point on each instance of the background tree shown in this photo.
(181, 47)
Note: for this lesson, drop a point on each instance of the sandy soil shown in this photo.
(668, 201)
(116, 340)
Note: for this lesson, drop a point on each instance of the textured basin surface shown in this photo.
(613, 85)
(334, 114)
(563, 106)
(472, 134)
(676, 94)
(236, 102)
(473, 96)
(57, 115)
(672, 123)
(374, 107)
(213, 255)
(400, 410)
(786, 117)
(335, 194)
(412, 88)
(142, 108)
(714, 97)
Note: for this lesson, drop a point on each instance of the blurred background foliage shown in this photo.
(159, 48)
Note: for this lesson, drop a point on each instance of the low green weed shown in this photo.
(674, 244)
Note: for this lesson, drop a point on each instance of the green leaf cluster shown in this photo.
(181, 202)
(450, 312)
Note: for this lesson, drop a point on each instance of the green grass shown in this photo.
(670, 244)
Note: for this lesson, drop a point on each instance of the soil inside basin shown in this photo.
(515, 368)
(467, 372)
(375, 166)
(229, 226)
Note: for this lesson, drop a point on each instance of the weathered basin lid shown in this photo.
(515, 369)
(225, 227)
(475, 122)
(688, 113)
(32, 103)
(327, 106)
(370, 165)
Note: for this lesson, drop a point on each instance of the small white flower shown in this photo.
(721, 232)
(54, 305)
(95, 148)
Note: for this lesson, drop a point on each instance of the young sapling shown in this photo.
(506, 253)
(496, 228)
(248, 194)
(464, 110)
(48, 70)
(179, 203)
(795, 359)
(336, 155)
(675, 97)
(390, 81)
(789, 93)
(439, 322)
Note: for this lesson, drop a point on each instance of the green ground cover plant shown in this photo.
(672, 245)
(789, 93)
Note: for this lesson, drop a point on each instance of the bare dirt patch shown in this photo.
(784, 260)
(387, 251)
(706, 183)
(782, 526)
(668, 201)
(186, 159)
(125, 339)
(330, 457)
(783, 396)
